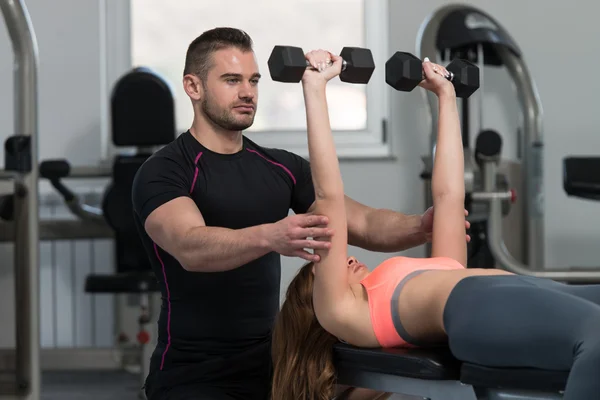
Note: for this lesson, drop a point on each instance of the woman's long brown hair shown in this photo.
(302, 350)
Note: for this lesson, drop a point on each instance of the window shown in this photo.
(160, 31)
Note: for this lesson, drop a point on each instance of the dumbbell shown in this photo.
(288, 63)
(404, 72)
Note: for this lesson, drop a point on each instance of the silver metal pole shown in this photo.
(532, 143)
(24, 43)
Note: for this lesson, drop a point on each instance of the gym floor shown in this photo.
(90, 385)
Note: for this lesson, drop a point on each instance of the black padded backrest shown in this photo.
(143, 115)
(118, 212)
(581, 178)
(142, 110)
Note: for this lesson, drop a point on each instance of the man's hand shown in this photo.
(427, 224)
(290, 236)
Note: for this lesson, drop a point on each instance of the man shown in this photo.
(212, 209)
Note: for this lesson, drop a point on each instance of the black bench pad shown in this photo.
(130, 282)
(437, 364)
(440, 364)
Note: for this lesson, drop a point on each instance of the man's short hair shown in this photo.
(198, 60)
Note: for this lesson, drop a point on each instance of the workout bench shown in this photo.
(434, 374)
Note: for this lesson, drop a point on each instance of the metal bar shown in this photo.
(54, 266)
(532, 143)
(479, 196)
(61, 229)
(500, 252)
(26, 253)
(93, 299)
(6, 175)
(74, 291)
(99, 171)
(85, 211)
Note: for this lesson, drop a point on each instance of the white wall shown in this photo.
(558, 43)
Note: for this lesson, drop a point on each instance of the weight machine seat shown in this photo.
(440, 365)
(126, 282)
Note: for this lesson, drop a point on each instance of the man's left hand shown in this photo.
(427, 223)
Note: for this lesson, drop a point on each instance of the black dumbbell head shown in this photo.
(466, 77)
(403, 71)
(359, 65)
(287, 64)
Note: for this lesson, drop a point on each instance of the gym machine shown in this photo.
(143, 117)
(142, 111)
(459, 31)
(20, 166)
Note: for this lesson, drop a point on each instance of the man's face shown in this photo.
(231, 89)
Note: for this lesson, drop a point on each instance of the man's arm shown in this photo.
(179, 228)
(382, 230)
(161, 199)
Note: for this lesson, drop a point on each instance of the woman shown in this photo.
(485, 316)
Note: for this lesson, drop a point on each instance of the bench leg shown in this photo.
(418, 389)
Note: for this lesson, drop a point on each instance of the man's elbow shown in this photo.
(187, 262)
(187, 256)
(190, 259)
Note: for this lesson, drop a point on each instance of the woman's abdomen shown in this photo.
(422, 301)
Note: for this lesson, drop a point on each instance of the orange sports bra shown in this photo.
(383, 286)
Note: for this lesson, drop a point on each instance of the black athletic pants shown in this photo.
(519, 321)
(245, 376)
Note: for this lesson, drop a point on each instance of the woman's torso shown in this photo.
(420, 302)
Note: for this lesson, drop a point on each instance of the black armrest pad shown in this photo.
(438, 363)
(130, 282)
(581, 178)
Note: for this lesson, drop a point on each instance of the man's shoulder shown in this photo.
(168, 160)
(273, 152)
(171, 154)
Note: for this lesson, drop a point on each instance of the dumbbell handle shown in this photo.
(344, 65)
(510, 195)
(450, 76)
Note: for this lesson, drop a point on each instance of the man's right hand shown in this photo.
(292, 235)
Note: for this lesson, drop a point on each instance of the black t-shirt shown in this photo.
(218, 323)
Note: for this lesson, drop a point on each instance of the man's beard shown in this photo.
(224, 118)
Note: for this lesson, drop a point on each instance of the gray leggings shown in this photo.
(518, 321)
